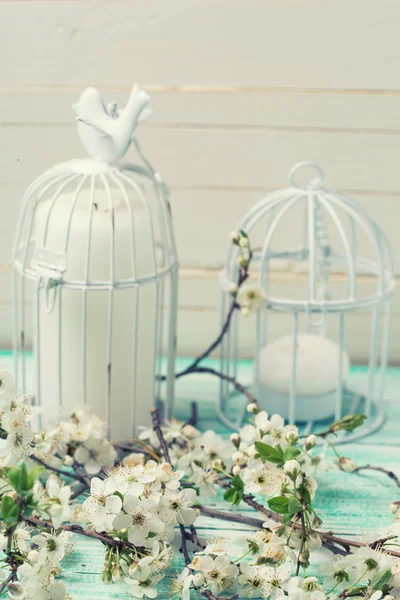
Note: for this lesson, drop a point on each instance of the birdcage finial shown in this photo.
(105, 132)
(315, 183)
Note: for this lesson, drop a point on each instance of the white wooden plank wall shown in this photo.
(240, 91)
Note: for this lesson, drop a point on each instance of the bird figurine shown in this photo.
(105, 132)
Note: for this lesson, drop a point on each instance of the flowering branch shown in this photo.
(387, 472)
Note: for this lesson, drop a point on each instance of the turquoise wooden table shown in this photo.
(347, 503)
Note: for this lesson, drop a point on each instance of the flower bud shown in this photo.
(33, 556)
(236, 470)
(292, 467)
(68, 460)
(292, 437)
(244, 311)
(311, 441)
(233, 288)
(133, 459)
(234, 237)
(242, 261)
(394, 507)
(252, 408)
(198, 580)
(347, 464)
(217, 465)
(238, 458)
(235, 439)
(190, 432)
(15, 589)
(244, 242)
(117, 574)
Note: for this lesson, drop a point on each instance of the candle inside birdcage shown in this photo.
(96, 239)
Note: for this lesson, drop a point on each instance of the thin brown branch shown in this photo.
(231, 517)
(129, 446)
(387, 472)
(328, 539)
(237, 385)
(63, 472)
(78, 529)
(302, 543)
(5, 583)
(194, 417)
(155, 417)
(184, 548)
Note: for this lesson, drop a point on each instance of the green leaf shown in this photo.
(269, 453)
(280, 505)
(294, 506)
(305, 494)
(33, 475)
(291, 452)
(356, 591)
(12, 474)
(380, 579)
(7, 504)
(243, 233)
(229, 494)
(12, 515)
(237, 483)
(23, 478)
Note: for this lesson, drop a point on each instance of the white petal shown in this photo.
(114, 504)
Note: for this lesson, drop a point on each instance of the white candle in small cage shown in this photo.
(316, 378)
(75, 380)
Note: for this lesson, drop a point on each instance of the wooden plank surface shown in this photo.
(339, 497)
(334, 45)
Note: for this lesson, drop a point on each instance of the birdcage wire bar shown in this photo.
(50, 283)
(315, 310)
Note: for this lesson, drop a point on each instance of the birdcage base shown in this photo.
(232, 412)
(316, 408)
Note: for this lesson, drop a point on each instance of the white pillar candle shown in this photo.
(317, 369)
(132, 393)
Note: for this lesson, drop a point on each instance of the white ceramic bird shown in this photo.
(105, 132)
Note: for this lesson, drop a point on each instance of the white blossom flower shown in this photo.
(21, 539)
(180, 587)
(219, 573)
(263, 478)
(17, 445)
(95, 455)
(59, 500)
(305, 589)
(159, 559)
(204, 479)
(51, 544)
(254, 581)
(7, 388)
(143, 585)
(250, 297)
(181, 504)
(102, 505)
(140, 519)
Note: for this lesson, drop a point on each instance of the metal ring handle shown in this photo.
(314, 183)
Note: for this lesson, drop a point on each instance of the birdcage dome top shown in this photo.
(129, 206)
(321, 239)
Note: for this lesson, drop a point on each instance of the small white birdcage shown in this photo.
(95, 277)
(337, 262)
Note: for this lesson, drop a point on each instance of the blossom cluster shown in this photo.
(139, 505)
(16, 412)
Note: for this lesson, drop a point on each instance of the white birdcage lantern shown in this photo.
(338, 262)
(95, 278)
